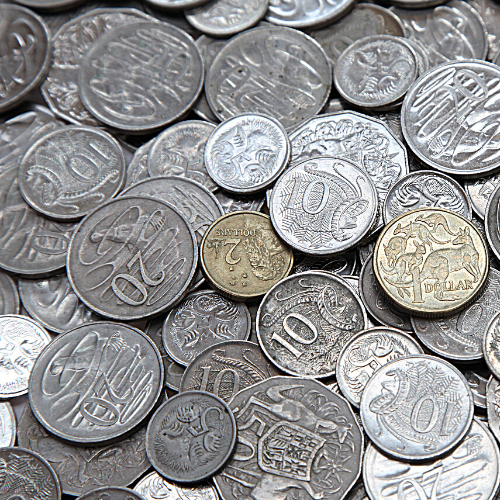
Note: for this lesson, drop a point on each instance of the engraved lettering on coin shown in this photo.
(480, 192)
(7, 425)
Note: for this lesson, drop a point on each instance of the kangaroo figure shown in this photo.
(406, 262)
(395, 247)
(434, 221)
(415, 230)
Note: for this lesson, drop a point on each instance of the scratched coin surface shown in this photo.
(70, 171)
(96, 382)
(365, 353)
(26, 50)
(9, 298)
(7, 425)
(324, 205)
(304, 321)
(191, 436)
(203, 319)
(480, 192)
(431, 262)
(269, 70)
(132, 257)
(469, 471)
(416, 407)
(110, 493)
(141, 76)
(242, 256)
(309, 421)
(84, 468)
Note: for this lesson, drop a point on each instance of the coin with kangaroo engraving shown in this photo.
(431, 262)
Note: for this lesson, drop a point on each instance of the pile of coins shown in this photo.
(249, 250)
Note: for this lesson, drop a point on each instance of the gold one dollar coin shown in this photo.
(242, 256)
(431, 262)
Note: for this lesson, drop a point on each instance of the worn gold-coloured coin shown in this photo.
(242, 256)
(431, 262)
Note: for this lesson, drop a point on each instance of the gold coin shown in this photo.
(242, 256)
(431, 262)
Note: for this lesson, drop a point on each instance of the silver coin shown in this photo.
(227, 368)
(247, 153)
(309, 421)
(366, 251)
(365, 353)
(96, 383)
(375, 71)
(231, 202)
(304, 321)
(7, 425)
(26, 50)
(323, 206)
(132, 257)
(274, 71)
(480, 192)
(358, 492)
(227, 18)
(342, 264)
(9, 298)
(443, 39)
(121, 83)
(49, 5)
(69, 172)
(492, 222)
(81, 469)
(21, 341)
(489, 11)
(364, 20)
(27, 475)
(176, 4)
(137, 169)
(54, 304)
(491, 345)
(425, 188)
(417, 407)
(111, 493)
(470, 471)
(155, 487)
(460, 337)
(202, 320)
(336, 105)
(179, 150)
(421, 53)
(493, 405)
(191, 436)
(477, 385)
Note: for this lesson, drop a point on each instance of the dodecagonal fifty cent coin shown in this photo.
(132, 257)
(191, 436)
(95, 383)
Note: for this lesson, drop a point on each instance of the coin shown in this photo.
(323, 206)
(342, 264)
(446, 477)
(9, 298)
(122, 86)
(307, 419)
(231, 202)
(477, 385)
(7, 425)
(176, 4)
(271, 70)
(96, 383)
(492, 222)
(203, 319)
(80, 469)
(242, 256)
(191, 436)
(491, 346)
(137, 169)
(27, 475)
(443, 270)
(365, 353)
(132, 257)
(21, 341)
(416, 407)
(493, 405)
(111, 493)
(480, 192)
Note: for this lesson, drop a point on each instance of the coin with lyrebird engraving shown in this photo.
(7, 425)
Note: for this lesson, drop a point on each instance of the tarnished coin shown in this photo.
(365, 353)
(96, 383)
(111, 493)
(270, 70)
(480, 192)
(242, 256)
(70, 171)
(191, 436)
(203, 319)
(324, 205)
(132, 257)
(342, 264)
(431, 262)
(25, 53)
(417, 407)
(247, 153)
(26, 475)
(304, 321)
(493, 405)
(7, 425)
(477, 385)
(492, 222)
(137, 169)
(435, 109)
(54, 304)
(227, 368)
(179, 151)
(9, 298)
(304, 419)
(470, 471)
(231, 202)
(21, 341)
(141, 76)
(460, 337)
(80, 469)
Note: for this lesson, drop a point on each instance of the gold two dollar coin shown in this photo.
(431, 262)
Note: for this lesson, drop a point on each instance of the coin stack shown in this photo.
(249, 250)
